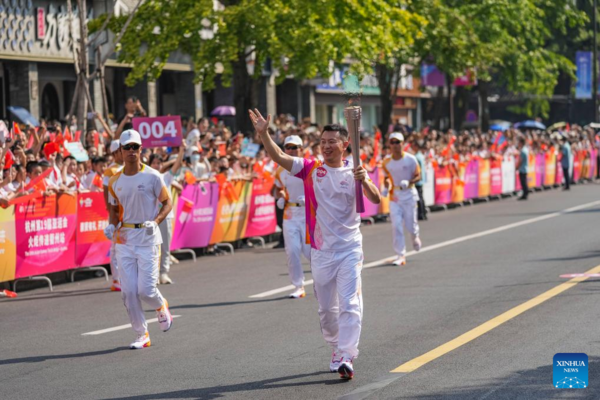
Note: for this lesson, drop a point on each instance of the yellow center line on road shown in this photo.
(484, 328)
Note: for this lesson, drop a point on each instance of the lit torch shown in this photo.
(353, 113)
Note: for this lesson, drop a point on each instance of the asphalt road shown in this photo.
(477, 264)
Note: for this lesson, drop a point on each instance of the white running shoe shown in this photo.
(401, 260)
(116, 286)
(336, 359)
(164, 279)
(298, 294)
(417, 243)
(346, 370)
(141, 341)
(165, 319)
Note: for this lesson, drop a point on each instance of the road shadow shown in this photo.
(58, 295)
(526, 384)
(37, 359)
(225, 303)
(216, 392)
(584, 256)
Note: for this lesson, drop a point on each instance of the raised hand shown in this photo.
(260, 123)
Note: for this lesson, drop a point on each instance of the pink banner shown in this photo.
(159, 131)
(93, 248)
(45, 231)
(261, 217)
(472, 180)
(496, 177)
(443, 185)
(370, 208)
(540, 169)
(195, 216)
(559, 173)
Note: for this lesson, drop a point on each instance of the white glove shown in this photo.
(404, 184)
(109, 231)
(385, 191)
(301, 201)
(150, 226)
(280, 203)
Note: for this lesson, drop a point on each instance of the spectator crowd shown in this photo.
(210, 151)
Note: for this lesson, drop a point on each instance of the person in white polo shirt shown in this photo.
(135, 193)
(401, 171)
(334, 232)
(291, 200)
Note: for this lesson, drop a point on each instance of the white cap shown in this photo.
(114, 145)
(398, 136)
(191, 150)
(293, 139)
(130, 136)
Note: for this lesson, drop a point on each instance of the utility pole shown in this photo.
(595, 62)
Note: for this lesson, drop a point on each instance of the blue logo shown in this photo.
(570, 371)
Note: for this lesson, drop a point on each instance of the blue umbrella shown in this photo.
(499, 127)
(23, 116)
(530, 124)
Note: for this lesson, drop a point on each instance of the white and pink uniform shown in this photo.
(294, 225)
(337, 256)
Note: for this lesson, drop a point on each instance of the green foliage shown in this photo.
(524, 44)
(300, 37)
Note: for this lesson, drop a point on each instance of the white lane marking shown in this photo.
(461, 239)
(121, 327)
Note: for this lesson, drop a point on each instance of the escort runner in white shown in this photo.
(291, 200)
(401, 171)
(135, 193)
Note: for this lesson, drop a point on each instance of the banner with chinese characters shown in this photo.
(93, 248)
(45, 232)
(261, 216)
(196, 210)
(8, 247)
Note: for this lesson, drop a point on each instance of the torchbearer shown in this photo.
(334, 233)
(135, 193)
(401, 172)
(291, 200)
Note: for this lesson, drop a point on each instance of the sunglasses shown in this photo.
(395, 142)
(292, 147)
(128, 147)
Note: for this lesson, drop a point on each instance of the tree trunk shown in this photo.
(484, 105)
(83, 68)
(388, 79)
(450, 101)
(439, 101)
(384, 73)
(245, 95)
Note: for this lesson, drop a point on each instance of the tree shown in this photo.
(299, 37)
(507, 40)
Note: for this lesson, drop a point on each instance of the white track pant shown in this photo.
(338, 291)
(166, 226)
(138, 267)
(294, 235)
(114, 265)
(403, 214)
